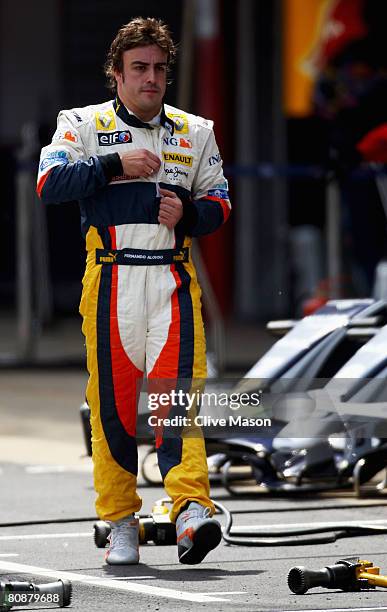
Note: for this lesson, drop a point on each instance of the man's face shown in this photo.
(142, 83)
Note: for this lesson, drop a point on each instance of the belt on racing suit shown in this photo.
(141, 257)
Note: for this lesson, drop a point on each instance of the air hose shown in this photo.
(287, 537)
(157, 527)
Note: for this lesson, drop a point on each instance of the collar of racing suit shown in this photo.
(132, 120)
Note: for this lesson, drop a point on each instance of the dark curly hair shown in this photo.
(139, 32)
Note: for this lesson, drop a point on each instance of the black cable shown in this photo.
(50, 521)
(277, 538)
(88, 519)
(281, 538)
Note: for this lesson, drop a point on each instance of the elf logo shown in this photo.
(113, 138)
(178, 158)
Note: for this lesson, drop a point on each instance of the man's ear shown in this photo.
(118, 76)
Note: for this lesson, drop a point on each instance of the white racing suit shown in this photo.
(141, 300)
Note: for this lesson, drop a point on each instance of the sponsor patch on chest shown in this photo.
(171, 141)
(181, 122)
(175, 174)
(114, 138)
(178, 158)
(105, 120)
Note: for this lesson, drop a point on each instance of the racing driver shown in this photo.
(148, 177)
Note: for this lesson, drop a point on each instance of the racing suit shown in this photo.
(141, 300)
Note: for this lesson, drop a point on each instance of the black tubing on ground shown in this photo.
(286, 537)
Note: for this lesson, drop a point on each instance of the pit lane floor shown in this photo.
(44, 476)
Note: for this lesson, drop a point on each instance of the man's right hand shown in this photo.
(140, 162)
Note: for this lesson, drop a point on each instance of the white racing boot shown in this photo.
(196, 533)
(123, 548)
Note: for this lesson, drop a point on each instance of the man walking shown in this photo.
(148, 177)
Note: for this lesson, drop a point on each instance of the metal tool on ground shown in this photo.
(346, 574)
(155, 527)
(27, 593)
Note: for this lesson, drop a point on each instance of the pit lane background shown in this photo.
(240, 55)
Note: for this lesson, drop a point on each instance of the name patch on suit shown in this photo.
(178, 158)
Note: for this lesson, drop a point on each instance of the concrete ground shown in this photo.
(47, 515)
(62, 344)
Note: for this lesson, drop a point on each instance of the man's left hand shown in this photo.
(171, 208)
